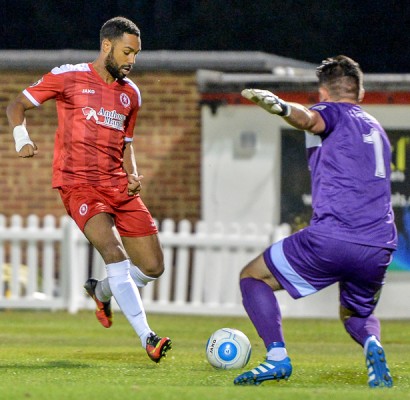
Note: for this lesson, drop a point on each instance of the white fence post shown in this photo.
(167, 232)
(16, 257)
(214, 266)
(69, 265)
(232, 265)
(33, 223)
(182, 263)
(200, 262)
(49, 258)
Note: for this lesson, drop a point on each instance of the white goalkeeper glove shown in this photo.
(268, 101)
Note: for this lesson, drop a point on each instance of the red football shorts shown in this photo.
(131, 216)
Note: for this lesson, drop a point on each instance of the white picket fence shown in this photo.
(44, 263)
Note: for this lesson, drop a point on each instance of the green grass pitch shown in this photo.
(56, 355)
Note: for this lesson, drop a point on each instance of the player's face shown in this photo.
(122, 55)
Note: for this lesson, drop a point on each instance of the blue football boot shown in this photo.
(377, 369)
(266, 371)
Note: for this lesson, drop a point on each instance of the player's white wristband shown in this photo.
(21, 137)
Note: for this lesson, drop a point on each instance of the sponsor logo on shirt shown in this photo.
(88, 91)
(104, 117)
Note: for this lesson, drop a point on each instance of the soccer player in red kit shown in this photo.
(95, 171)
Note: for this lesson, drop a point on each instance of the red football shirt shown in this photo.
(95, 120)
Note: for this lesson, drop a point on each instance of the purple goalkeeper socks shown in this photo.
(263, 309)
(361, 328)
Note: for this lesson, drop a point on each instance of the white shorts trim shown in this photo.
(282, 265)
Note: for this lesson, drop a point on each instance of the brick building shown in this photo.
(168, 131)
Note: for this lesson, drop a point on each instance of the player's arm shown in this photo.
(294, 114)
(25, 147)
(130, 167)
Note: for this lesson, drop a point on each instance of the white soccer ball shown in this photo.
(228, 349)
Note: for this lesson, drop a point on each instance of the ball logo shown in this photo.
(212, 346)
(83, 209)
(125, 100)
(227, 351)
(228, 348)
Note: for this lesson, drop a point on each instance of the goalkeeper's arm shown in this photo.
(294, 114)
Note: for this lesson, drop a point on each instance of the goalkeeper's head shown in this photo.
(342, 77)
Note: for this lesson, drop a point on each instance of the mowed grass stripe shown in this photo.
(56, 355)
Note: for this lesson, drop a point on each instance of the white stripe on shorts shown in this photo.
(282, 265)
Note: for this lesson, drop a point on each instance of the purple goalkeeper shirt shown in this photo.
(350, 175)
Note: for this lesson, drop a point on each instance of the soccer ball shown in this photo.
(228, 349)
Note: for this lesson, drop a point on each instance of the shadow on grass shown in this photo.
(48, 364)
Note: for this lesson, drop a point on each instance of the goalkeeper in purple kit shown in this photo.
(351, 236)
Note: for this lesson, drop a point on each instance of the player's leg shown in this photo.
(82, 204)
(146, 257)
(360, 328)
(102, 233)
(257, 287)
(147, 264)
(366, 332)
(296, 265)
(359, 296)
(140, 238)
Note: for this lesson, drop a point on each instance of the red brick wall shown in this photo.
(167, 145)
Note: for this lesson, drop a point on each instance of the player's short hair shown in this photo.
(114, 28)
(342, 76)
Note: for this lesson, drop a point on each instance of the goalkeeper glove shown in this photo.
(268, 101)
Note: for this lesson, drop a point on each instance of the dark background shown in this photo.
(375, 33)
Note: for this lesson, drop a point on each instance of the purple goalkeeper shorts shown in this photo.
(305, 263)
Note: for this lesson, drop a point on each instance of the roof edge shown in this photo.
(289, 79)
(251, 61)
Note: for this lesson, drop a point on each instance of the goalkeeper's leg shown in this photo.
(263, 309)
(366, 332)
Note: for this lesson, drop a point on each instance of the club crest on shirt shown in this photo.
(104, 117)
(83, 209)
(125, 100)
